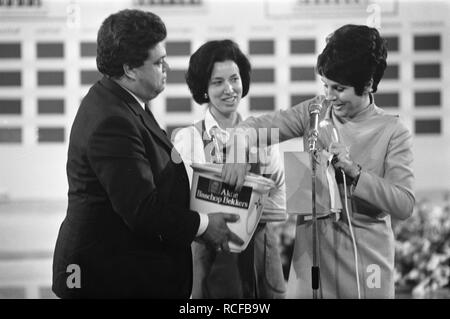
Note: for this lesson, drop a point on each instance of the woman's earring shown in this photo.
(206, 96)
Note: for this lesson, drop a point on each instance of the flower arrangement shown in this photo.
(422, 259)
(423, 249)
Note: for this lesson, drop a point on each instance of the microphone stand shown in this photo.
(315, 270)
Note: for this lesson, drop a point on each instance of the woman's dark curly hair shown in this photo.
(354, 55)
(125, 38)
(202, 62)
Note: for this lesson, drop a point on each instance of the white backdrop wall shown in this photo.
(32, 162)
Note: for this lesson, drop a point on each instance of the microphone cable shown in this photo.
(355, 251)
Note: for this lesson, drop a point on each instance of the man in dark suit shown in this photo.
(128, 228)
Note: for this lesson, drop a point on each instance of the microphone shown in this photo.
(314, 110)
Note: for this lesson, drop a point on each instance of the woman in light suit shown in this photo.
(375, 155)
(219, 75)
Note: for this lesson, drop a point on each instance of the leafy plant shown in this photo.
(423, 248)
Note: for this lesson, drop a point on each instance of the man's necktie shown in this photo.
(147, 110)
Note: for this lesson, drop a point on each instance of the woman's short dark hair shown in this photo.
(354, 55)
(202, 62)
(125, 38)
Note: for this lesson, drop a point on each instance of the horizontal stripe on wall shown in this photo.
(50, 106)
(427, 71)
(51, 134)
(263, 75)
(178, 48)
(427, 42)
(427, 126)
(307, 73)
(392, 43)
(176, 76)
(391, 72)
(261, 47)
(262, 103)
(89, 77)
(46, 78)
(178, 104)
(303, 46)
(88, 49)
(10, 50)
(10, 78)
(427, 98)
(10, 135)
(10, 106)
(50, 50)
(391, 99)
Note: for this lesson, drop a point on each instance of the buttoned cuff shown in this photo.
(204, 220)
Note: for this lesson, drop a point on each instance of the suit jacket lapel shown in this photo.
(148, 119)
(150, 122)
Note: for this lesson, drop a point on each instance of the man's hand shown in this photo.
(234, 174)
(218, 234)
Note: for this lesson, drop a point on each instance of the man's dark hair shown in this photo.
(125, 38)
(202, 62)
(354, 55)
